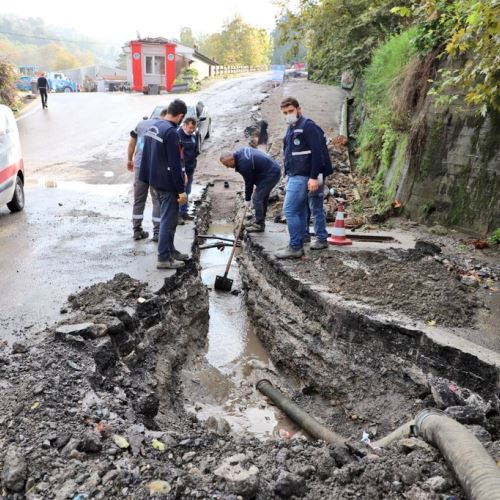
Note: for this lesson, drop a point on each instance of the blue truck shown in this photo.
(58, 82)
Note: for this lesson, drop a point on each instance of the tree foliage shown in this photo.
(285, 52)
(186, 36)
(467, 32)
(24, 41)
(238, 43)
(8, 76)
(340, 34)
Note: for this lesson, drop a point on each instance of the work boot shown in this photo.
(140, 234)
(180, 221)
(289, 253)
(319, 244)
(180, 256)
(255, 228)
(169, 264)
(155, 237)
(187, 217)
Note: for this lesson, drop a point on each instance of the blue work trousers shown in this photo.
(317, 212)
(261, 196)
(169, 210)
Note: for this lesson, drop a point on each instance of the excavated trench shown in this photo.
(219, 382)
(136, 390)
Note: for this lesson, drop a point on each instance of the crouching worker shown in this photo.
(259, 170)
(161, 168)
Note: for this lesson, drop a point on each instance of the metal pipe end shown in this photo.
(423, 414)
(261, 382)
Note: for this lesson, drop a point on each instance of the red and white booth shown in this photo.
(152, 65)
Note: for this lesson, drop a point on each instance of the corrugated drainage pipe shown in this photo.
(476, 471)
(299, 416)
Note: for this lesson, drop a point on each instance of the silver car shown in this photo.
(198, 111)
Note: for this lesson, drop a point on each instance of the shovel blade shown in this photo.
(222, 283)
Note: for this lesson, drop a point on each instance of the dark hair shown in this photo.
(177, 107)
(190, 119)
(163, 112)
(289, 101)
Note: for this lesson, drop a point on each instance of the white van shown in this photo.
(11, 162)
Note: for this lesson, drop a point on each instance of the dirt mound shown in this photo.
(406, 281)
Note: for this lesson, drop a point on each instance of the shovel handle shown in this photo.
(240, 227)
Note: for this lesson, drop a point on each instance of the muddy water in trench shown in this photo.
(221, 381)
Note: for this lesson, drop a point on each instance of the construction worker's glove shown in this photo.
(182, 199)
(247, 204)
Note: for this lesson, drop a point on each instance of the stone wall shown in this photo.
(451, 171)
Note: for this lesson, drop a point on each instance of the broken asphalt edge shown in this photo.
(434, 350)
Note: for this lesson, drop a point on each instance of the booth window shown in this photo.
(155, 65)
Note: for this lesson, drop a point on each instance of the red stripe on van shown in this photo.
(10, 171)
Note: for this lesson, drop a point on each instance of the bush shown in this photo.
(382, 130)
(8, 77)
(494, 238)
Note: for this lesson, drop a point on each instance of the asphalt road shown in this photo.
(75, 229)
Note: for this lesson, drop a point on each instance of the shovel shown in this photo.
(224, 283)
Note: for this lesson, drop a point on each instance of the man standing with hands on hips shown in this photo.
(161, 168)
(307, 163)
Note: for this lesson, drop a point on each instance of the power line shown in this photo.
(51, 39)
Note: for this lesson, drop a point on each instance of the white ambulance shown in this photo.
(11, 162)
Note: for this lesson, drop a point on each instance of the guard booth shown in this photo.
(151, 66)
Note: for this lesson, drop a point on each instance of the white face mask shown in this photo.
(291, 119)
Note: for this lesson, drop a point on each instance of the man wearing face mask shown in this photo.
(161, 168)
(307, 163)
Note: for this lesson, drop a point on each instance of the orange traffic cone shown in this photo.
(338, 233)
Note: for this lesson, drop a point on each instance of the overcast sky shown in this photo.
(117, 22)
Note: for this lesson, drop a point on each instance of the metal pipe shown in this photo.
(219, 244)
(475, 470)
(299, 416)
(214, 237)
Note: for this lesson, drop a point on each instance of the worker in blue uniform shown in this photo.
(188, 139)
(161, 168)
(307, 163)
(260, 171)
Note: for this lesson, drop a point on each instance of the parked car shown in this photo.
(296, 73)
(196, 110)
(24, 83)
(11, 162)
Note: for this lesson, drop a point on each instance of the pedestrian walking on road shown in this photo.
(307, 163)
(260, 170)
(161, 168)
(141, 189)
(43, 87)
(188, 139)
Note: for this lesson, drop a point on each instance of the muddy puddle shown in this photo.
(220, 382)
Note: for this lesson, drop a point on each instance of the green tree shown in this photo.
(340, 34)
(8, 94)
(186, 36)
(238, 44)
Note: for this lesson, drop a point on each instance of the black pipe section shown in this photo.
(475, 470)
(214, 237)
(299, 416)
